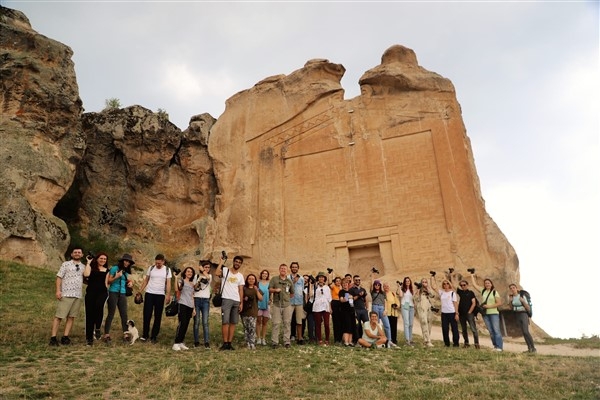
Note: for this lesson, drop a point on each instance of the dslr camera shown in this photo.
(419, 285)
(312, 279)
(224, 255)
(374, 270)
(432, 273)
(90, 255)
(471, 270)
(176, 270)
(435, 309)
(451, 270)
(329, 270)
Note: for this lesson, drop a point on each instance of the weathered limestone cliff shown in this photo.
(41, 141)
(386, 179)
(145, 182)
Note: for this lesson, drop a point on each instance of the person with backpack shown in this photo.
(117, 281)
(157, 283)
(491, 300)
(521, 306)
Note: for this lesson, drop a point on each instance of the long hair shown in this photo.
(261, 273)
(94, 263)
(406, 287)
(185, 270)
(255, 280)
(491, 283)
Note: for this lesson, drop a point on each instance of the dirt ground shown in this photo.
(514, 345)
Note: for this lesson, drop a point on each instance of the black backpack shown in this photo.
(527, 296)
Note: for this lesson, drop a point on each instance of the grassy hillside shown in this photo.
(31, 369)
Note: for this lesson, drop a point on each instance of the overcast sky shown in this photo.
(526, 76)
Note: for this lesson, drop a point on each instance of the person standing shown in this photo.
(407, 308)
(322, 308)
(449, 302)
(359, 298)
(490, 303)
(392, 305)
(202, 285)
(157, 284)
(466, 312)
(94, 275)
(185, 294)
(282, 288)
(423, 298)
(264, 305)
(249, 314)
(232, 285)
(297, 302)
(117, 281)
(521, 308)
(348, 318)
(69, 285)
(378, 298)
(335, 287)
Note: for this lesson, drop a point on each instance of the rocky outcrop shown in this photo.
(145, 183)
(40, 131)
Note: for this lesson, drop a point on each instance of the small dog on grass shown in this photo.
(132, 332)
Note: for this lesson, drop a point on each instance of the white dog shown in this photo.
(132, 332)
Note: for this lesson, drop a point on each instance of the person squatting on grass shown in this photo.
(117, 281)
(232, 306)
(264, 308)
(69, 285)
(94, 275)
(157, 283)
(202, 285)
(373, 334)
(249, 313)
(185, 297)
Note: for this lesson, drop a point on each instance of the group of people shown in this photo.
(294, 304)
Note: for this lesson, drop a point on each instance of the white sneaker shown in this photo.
(176, 347)
(183, 346)
(392, 345)
(497, 349)
(429, 344)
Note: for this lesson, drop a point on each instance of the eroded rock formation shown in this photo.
(145, 182)
(386, 179)
(41, 140)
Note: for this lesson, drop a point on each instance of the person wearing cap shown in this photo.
(322, 308)
(157, 284)
(117, 281)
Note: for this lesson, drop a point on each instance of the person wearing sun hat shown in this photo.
(117, 281)
(322, 307)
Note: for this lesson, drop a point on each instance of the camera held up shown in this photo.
(432, 273)
(374, 270)
(471, 270)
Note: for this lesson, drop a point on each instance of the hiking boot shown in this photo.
(207, 346)
(223, 347)
(153, 340)
(230, 347)
(196, 344)
(53, 342)
(466, 345)
(65, 340)
(89, 343)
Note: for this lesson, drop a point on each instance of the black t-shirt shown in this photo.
(97, 282)
(466, 300)
(344, 305)
(360, 302)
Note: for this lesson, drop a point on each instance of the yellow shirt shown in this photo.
(391, 298)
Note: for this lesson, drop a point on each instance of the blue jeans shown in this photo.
(379, 309)
(408, 316)
(492, 322)
(202, 306)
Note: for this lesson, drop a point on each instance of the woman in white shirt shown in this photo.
(449, 300)
(322, 308)
(407, 308)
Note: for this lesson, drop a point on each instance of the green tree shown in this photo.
(112, 104)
